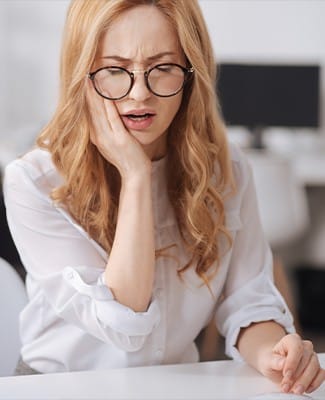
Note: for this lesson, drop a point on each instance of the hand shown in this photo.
(112, 139)
(294, 364)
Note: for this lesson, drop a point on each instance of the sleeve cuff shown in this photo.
(110, 312)
(230, 347)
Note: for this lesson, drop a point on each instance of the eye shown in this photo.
(164, 68)
(114, 71)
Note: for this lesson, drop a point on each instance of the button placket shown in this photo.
(160, 333)
(160, 198)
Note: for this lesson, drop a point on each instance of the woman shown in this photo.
(135, 220)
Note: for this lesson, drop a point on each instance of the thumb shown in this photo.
(277, 362)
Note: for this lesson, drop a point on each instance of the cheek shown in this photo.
(172, 107)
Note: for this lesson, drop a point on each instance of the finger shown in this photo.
(277, 362)
(308, 353)
(114, 117)
(320, 378)
(294, 348)
(308, 376)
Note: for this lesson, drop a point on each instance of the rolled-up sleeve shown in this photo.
(67, 265)
(249, 294)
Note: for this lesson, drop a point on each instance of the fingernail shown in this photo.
(286, 387)
(299, 389)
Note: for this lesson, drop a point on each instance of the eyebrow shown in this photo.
(151, 58)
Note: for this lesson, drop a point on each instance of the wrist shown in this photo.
(138, 174)
(257, 341)
(139, 178)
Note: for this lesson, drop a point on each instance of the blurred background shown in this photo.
(271, 58)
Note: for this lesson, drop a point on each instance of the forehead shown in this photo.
(140, 32)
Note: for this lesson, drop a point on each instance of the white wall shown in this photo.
(267, 29)
(3, 64)
(30, 34)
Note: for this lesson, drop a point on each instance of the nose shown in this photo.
(139, 90)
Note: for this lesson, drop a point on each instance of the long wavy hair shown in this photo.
(199, 168)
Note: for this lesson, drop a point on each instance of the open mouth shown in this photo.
(139, 120)
(139, 117)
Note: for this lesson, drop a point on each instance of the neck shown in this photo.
(157, 150)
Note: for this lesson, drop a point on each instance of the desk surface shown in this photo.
(208, 380)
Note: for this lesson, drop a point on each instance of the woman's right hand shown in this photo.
(130, 267)
(112, 139)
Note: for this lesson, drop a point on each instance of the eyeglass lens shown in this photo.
(163, 80)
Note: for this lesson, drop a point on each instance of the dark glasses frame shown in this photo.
(188, 71)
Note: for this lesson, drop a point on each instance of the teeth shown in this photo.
(138, 117)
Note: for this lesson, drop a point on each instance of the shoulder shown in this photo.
(33, 170)
(240, 166)
(243, 179)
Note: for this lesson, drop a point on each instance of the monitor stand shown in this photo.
(257, 137)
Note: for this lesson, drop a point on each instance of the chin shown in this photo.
(146, 138)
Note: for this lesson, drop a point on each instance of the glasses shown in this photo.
(163, 80)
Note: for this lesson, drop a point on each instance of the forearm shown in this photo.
(258, 339)
(130, 268)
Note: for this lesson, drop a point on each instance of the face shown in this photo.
(139, 39)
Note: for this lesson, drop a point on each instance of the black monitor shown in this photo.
(263, 95)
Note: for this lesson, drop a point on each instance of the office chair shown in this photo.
(282, 200)
(12, 299)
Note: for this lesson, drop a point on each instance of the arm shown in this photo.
(257, 339)
(130, 268)
(253, 316)
(249, 292)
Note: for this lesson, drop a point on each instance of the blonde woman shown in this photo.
(136, 221)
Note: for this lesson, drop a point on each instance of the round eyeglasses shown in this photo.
(163, 80)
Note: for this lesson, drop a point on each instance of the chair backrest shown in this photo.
(12, 299)
(281, 198)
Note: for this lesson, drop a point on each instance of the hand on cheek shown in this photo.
(111, 138)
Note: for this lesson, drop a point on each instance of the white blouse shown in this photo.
(72, 321)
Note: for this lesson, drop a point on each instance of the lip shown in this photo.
(139, 112)
(141, 124)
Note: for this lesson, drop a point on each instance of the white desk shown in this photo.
(209, 380)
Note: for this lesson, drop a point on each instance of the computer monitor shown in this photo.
(263, 95)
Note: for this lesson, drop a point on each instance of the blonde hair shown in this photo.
(197, 146)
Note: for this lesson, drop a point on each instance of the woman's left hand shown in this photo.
(295, 364)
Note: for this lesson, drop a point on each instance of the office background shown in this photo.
(282, 31)
(244, 31)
